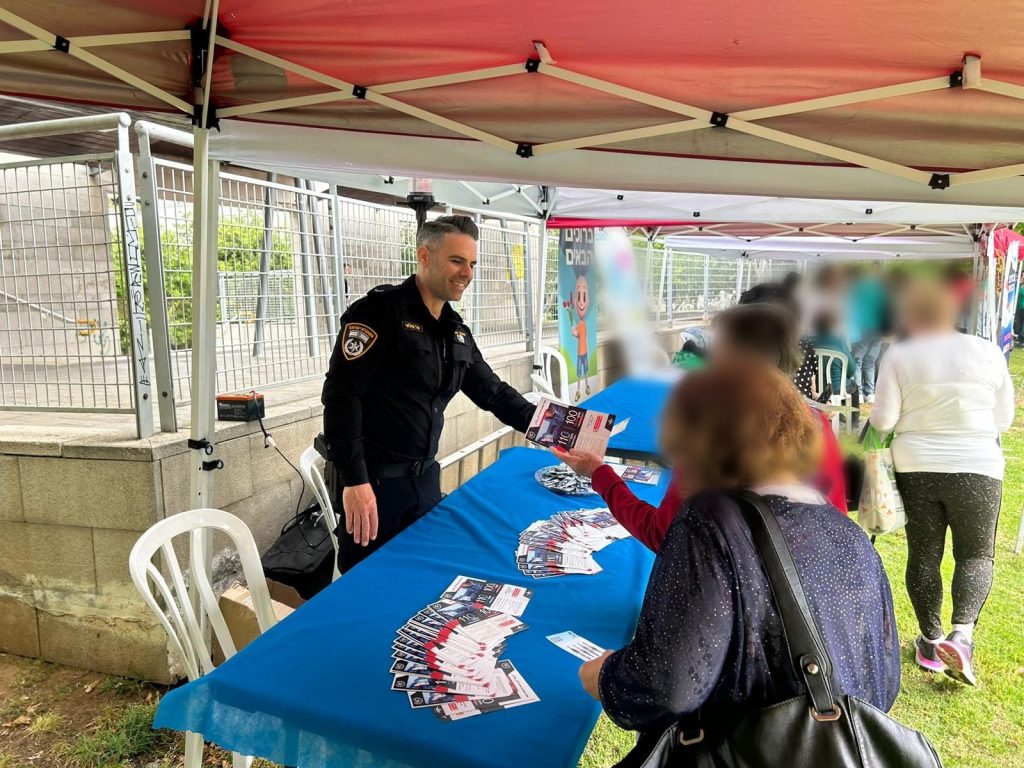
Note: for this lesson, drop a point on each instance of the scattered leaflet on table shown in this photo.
(446, 656)
(635, 474)
(565, 543)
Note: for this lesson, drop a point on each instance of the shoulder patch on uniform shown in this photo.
(357, 340)
(411, 326)
(460, 336)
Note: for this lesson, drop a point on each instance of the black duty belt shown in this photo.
(400, 469)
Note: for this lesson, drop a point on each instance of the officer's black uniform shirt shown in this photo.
(393, 371)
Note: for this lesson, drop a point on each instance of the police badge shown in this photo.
(358, 339)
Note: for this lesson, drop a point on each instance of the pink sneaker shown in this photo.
(957, 653)
(926, 654)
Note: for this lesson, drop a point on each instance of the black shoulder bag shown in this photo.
(821, 729)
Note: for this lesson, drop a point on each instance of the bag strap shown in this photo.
(808, 651)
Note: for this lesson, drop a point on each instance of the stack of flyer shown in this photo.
(565, 543)
(563, 426)
(446, 656)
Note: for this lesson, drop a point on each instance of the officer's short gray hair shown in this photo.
(432, 232)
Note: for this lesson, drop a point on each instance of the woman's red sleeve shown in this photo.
(647, 523)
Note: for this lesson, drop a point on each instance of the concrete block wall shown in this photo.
(72, 507)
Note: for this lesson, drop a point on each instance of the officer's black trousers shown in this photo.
(401, 501)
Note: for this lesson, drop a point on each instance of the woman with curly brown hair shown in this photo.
(709, 637)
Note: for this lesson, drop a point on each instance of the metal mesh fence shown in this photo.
(290, 259)
(278, 296)
(285, 276)
(64, 324)
(767, 270)
(496, 306)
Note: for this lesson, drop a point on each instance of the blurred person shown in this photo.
(827, 291)
(758, 331)
(866, 312)
(948, 397)
(709, 641)
(784, 294)
(961, 284)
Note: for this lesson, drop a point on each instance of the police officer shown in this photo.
(401, 356)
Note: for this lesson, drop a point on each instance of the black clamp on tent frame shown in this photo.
(359, 91)
(719, 119)
(532, 65)
(209, 466)
(524, 150)
(939, 181)
(956, 79)
(212, 120)
(199, 38)
(201, 445)
(61, 44)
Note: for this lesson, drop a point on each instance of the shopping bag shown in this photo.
(881, 507)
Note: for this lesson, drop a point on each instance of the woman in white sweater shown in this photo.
(947, 396)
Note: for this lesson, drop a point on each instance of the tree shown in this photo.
(239, 248)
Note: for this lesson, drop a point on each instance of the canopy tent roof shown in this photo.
(827, 248)
(767, 226)
(872, 101)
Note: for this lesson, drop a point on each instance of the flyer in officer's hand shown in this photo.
(568, 426)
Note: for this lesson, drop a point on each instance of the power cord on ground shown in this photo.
(269, 442)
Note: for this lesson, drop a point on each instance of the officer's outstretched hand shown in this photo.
(360, 513)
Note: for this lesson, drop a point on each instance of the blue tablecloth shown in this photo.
(641, 400)
(315, 689)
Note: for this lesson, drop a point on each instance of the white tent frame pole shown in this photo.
(542, 269)
(155, 282)
(83, 55)
(96, 41)
(205, 200)
(204, 312)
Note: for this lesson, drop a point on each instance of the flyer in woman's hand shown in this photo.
(566, 426)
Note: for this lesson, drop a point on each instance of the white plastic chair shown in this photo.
(826, 357)
(181, 621)
(550, 360)
(309, 466)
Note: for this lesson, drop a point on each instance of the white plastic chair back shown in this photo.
(180, 619)
(551, 360)
(309, 466)
(826, 358)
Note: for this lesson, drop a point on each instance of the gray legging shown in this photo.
(968, 504)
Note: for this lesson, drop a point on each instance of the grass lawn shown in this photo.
(980, 727)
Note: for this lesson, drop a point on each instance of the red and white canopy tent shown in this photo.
(880, 101)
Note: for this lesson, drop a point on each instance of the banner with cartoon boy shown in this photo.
(577, 313)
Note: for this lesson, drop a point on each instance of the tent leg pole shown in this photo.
(204, 314)
(542, 268)
(264, 276)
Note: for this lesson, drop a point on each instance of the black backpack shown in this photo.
(303, 555)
